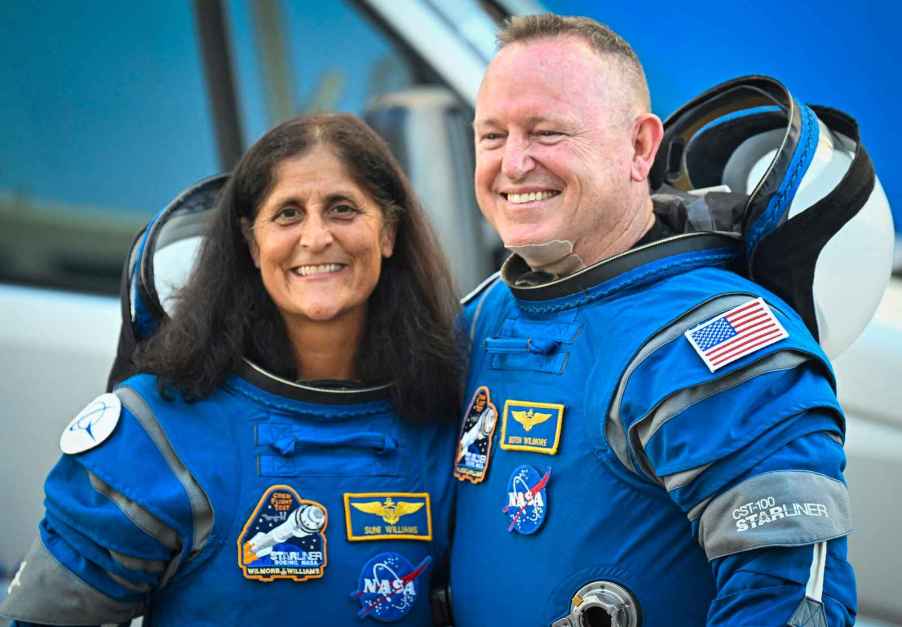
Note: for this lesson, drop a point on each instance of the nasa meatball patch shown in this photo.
(388, 586)
(284, 538)
(474, 447)
(526, 502)
(92, 425)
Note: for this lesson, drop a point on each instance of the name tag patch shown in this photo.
(388, 516)
(529, 426)
(474, 446)
(284, 538)
(388, 586)
(526, 503)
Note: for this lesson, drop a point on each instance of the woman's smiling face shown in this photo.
(318, 239)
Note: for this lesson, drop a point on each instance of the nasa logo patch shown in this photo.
(92, 425)
(388, 587)
(526, 505)
(529, 426)
(284, 538)
(474, 447)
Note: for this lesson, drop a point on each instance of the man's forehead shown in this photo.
(564, 50)
(537, 81)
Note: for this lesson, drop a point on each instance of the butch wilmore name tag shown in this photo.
(531, 426)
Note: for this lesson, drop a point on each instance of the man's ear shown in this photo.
(648, 131)
(247, 230)
(389, 233)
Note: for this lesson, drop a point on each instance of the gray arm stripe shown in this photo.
(143, 520)
(679, 479)
(614, 433)
(139, 588)
(643, 430)
(136, 563)
(697, 510)
(779, 508)
(48, 593)
(201, 510)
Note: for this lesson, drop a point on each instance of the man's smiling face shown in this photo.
(553, 146)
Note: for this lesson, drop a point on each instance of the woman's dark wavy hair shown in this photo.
(223, 313)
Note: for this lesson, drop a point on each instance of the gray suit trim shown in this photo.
(46, 592)
(679, 479)
(646, 428)
(488, 285)
(614, 433)
(135, 563)
(778, 508)
(643, 430)
(143, 520)
(201, 510)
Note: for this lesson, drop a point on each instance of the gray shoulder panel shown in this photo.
(614, 432)
(46, 592)
(779, 508)
(201, 510)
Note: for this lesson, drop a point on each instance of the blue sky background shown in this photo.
(842, 54)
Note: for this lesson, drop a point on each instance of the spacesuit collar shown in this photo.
(528, 285)
(333, 392)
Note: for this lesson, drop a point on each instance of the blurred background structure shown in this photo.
(109, 109)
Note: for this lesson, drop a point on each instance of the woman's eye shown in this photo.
(344, 210)
(288, 213)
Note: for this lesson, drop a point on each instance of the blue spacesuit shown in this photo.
(268, 502)
(653, 440)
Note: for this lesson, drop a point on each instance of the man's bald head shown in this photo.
(610, 46)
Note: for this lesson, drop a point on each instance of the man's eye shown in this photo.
(548, 133)
(491, 137)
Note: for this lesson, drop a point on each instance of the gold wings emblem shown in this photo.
(388, 510)
(530, 418)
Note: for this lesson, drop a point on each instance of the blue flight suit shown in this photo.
(175, 514)
(704, 494)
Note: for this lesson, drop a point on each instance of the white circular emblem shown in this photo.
(92, 425)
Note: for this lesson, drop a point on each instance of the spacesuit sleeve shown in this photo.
(752, 453)
(119, 521)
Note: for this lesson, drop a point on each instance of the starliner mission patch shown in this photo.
(474, 447)
(284, 538)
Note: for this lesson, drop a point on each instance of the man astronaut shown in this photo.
(696, 479)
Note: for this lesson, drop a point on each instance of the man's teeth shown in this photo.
(320, 269)
(529, 197)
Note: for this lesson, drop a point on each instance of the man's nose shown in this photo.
(517, 160)
(316, 233)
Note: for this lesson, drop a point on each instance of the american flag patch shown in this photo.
(735, 334)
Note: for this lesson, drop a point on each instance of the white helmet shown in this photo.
(815, 221)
